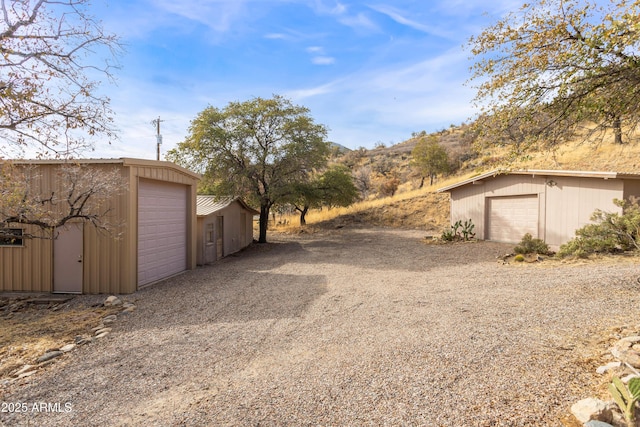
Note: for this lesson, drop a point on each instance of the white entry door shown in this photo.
(68, 259)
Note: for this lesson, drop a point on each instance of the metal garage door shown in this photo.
(512, 217)
(162, 230)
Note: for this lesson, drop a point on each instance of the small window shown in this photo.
(210, 233)
(11, 237)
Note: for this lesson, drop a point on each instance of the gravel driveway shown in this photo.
(357, 326)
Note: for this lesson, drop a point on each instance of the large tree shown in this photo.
(53, 55)
(259, 149)
(557, 69)
(430, 158)
(333, 187)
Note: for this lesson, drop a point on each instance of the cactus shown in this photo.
(626, 396)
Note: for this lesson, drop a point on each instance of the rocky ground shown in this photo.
(353, 326)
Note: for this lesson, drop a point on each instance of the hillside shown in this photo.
(421, 208)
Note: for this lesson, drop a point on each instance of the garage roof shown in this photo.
(539, 172)
(206, 205)
(125, 161)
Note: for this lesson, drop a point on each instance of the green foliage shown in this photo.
(545, 70)
(459, 231)
(258, 149)
(519, 258)
(333, 187)
(529, 245)
(430, 158)
(50, 99)
(612, 232)
(626, 397)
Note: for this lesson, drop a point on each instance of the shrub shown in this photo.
(519, 258)
(460, 231)
(612, 232)
(529, 245)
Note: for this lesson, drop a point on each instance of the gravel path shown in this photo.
(349, 327)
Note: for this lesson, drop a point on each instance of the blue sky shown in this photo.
(371, 71)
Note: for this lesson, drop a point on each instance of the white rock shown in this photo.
(104, 334)
(25, 368)
(626, 378)
(631, 340)
(102, 331)
(67, 348)
(26, 374)
(591, 409)
(111, 301)
(611, 365)
(109, 319)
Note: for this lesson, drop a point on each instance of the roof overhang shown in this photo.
(478, 179)
(207, 205)
(124, 161)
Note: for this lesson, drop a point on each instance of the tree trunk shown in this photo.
(432, 176)
(264, 222)
(303, 213)
(421, 182)
(617, 130)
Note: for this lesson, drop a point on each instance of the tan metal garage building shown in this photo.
(550, 205)
(156, 236)
(225, 226)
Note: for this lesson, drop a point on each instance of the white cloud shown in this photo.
(399, 17)
(276, 36)
(323, 60)
(359, 22)
(217, 15)
(387, 104)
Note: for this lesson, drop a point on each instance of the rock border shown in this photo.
(50, 356)
(593, 412)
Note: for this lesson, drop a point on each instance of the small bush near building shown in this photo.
(529, 245)
(460, 231)
(611, 232)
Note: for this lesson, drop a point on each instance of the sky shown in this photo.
(372, 71)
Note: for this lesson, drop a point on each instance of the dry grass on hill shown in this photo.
(418, 209)
(425, 209)
(583, 156)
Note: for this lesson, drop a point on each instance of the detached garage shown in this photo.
(225, 226)
(549, 205)
(154, 235)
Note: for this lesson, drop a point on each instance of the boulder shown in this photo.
(590, 409)
(595, 423)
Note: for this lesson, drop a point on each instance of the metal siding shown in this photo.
(631, 188)
(106, 264)
(110, 259)
(572, 201)
(237, 229)
(27, 268)
(468, 203)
